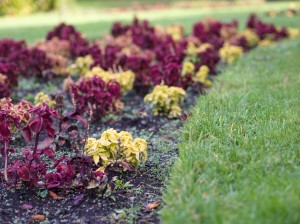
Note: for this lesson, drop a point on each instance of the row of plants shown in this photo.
(292, 11)
(160, 63)
(49, 131)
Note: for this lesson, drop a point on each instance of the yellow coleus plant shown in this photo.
(230, 53)
(166, 100)
(293, 33)
(113, 146)
(202, 76)
(124, 78)
(265, 43)
(42, 97)
(192, 49)
(188, 67)
(81, 65)
(176, 31)
(251, 37)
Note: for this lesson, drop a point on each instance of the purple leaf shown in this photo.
(45, 143)
(65, 125)
(36, 125)
(81, 120)
(53, 113)
(78, 199)
(49, 152)
(23, 173)
(50, 131)
(53, 184)
(27, 206)
(27, 134)
(37, 158)
(4, 130)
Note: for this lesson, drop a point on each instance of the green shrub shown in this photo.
(17, 7)
(45, 5)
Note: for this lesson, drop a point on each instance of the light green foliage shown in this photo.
(41, 97)
(124, 78)
(81, 65)
(120, 185)
(230, 53)
(114, 146)
(166, 100)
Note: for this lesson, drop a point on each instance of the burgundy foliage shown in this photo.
(95, 95)
(5, 90)
(78, 44)
(210, 31)
(263, 29)
(17, 59)
(210, 58)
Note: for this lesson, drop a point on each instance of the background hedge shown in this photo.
(16, 7)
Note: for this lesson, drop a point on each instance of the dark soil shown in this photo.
(124, 205)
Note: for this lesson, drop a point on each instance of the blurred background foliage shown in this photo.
(21, 7)
(17, 7)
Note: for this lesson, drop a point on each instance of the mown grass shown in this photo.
(240, 150)
(94, 23)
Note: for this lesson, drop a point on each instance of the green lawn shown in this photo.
(94, 23)
(239, 156)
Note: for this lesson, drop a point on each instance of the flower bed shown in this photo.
(54, 144)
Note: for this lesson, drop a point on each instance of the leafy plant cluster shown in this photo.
(136, 56)
(166, 100)
(16, 59)
(95, 95)
(82, 66)
(41, 98)
(48, 131)
(230, 53)
(58, 51)
(117, 147)
(292, 11)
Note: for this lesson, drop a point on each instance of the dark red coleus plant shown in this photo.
(5, 90)
(42, 120)
(264, 30)
(11, 117)
(6, 121)
(78, 44)
(95, 95)
(18, 59)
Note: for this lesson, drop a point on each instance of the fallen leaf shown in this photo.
(23, 173)
(26, 206)
(37, 218)
(78, 199)
(152, 205)
(185, 116)
(54, 195)
(43, 193)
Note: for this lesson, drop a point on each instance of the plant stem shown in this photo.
(34, 150)
(5, 159)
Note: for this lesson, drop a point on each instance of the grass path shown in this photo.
(240, 151)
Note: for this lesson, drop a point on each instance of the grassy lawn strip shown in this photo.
(240, 151)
